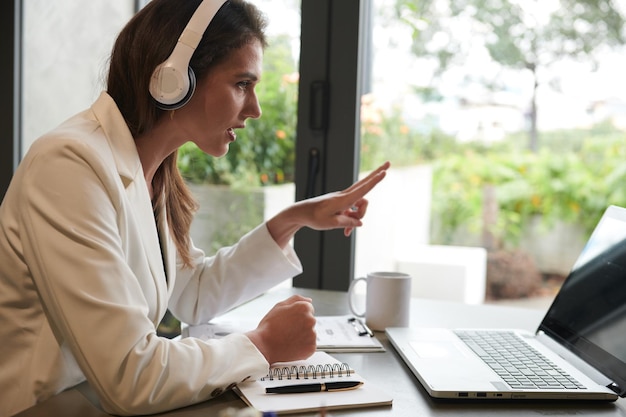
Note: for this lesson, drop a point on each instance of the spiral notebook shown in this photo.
(321, 367)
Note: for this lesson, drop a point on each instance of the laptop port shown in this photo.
(481, 394)
(463, 394)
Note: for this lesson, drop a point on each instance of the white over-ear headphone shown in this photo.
(173, 82)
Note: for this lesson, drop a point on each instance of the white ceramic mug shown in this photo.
(387, 299)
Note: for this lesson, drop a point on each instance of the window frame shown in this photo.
(10, 86)
(328, 132)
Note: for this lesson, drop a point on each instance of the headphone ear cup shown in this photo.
(169, 86)
(185, 99)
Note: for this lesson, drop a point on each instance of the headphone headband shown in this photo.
(173, 82)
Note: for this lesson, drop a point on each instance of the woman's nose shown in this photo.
(253, 107)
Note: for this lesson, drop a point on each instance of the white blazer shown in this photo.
(83, 281)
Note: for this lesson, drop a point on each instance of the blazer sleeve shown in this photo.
(75, 230)
(233, 276)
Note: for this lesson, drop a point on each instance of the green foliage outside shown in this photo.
(572, 183)
(572, 178)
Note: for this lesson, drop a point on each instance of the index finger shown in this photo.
(360, 188)
(372, 174)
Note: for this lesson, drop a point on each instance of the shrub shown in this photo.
(573, 186)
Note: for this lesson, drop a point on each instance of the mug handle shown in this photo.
(351, 297)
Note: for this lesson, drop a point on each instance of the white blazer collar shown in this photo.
(119, 137)
(130, 170)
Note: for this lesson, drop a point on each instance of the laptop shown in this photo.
(577, 352)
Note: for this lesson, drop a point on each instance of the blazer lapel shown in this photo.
(131, 174)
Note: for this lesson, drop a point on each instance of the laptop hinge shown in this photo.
(615, 388)
(580, 364)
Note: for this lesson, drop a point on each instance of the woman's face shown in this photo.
(223, 100)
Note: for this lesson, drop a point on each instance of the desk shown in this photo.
(386, 369)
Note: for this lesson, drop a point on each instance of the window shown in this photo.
(472, 171)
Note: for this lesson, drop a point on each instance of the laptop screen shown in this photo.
(589, 313)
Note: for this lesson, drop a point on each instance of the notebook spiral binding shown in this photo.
(308, 372)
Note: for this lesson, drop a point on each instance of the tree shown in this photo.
(525, 35)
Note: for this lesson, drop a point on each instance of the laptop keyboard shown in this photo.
(515, 361)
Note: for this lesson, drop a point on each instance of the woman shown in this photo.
(94, 235)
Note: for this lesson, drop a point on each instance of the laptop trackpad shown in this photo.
(436, 350)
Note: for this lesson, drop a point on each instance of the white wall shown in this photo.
(66, 48)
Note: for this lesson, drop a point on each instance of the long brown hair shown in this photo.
(146, 41)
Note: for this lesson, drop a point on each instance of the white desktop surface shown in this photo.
(385, 368)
